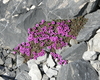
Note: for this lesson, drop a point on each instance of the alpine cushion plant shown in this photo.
(51, 34)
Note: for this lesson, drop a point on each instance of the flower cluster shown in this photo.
(46, 34)
(59, 58)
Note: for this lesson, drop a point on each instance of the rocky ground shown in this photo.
(16, 16)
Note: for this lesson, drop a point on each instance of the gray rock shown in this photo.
(17, 16)
(73, 42)
(9, 73)
(45, 77)
(11, 56)
(98, 31)
(50, 62)
(8, 62)
(89, 55)
(34, 70)
(23, 76)
(59, 51)
(5, 53)
(2, 10)
(99, 57)
(75, 52)
(1, 70)
(86, 33)
(96, 65)
(20, 60)
(96, 42)
(78, 70)
(23, 67)
(52, 79)
(92, 6)
(2, 57)
(1, 62)
(60, 7)
(90, 27)
(30, 63)
(51, 72)
(45, 68)
(1, 78)
(42, 59)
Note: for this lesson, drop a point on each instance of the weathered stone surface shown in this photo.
(1, 78)
(90, 27)
(41, 58)
(50, 61)
(89, 55)
(98, 31)
(78, 70)
(5, 53)
(20, 60)
(1, 70)
(18, 15)
(52, 79)
(59, 51)
(96, 42)
(45, 68)
(34, 71)
(92, 6)
(75, 52)
(96, 65)
(19, 19)
(73, 42)
(59, 8)
(24, 67)
(45, 77)
(9, 73)
(86, 33)
(1, 62)
(23, 76)
(11, 56)
(51, 72)
(8, 62)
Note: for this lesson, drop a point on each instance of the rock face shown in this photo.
(18, 15)
(34, 71)
(96, 42)
(75, 52)
(78, 70)
(90, 27)
(89, 55)
(23, 76)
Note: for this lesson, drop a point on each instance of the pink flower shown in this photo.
(58, 23)
(35, 40)
(34, 28)
(44, 28)
(42, 44)
(37, 25)
(14, 52)
(68, 21)
(41, 53)
(49, 24)
(54, 45)
(27, 44)
(42, 22)
(49, 47)
(22, 49)
(53, 22)
(16, 48)
(73, 37)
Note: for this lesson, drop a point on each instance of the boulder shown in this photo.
(78, 70)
